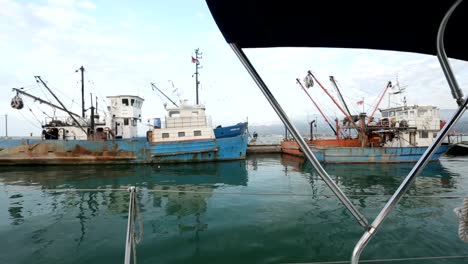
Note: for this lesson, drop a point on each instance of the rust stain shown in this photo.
(57, 153)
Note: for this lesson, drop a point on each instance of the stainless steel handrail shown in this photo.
(295, 133)
(419, 166)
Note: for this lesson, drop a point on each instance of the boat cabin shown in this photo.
(124, 115)
(183, 123)
(416, 125)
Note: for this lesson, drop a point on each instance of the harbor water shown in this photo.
(266, 209)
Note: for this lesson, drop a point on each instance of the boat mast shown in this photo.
(82, 91)
(196, 60)
(38, 78)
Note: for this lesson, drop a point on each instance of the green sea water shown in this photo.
(266, 209)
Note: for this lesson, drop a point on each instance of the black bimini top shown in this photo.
(398, 25)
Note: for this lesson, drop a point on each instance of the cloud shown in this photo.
(54, 38)
(87, 5)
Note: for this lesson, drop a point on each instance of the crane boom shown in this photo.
(380, 100)
(44, 102)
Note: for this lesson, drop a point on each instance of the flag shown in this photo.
(360, 102)
(194, 60)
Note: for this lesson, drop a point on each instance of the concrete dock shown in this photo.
(263, 148)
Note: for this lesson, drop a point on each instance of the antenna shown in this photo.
(400, 90)
(81, 69)
(196, 60)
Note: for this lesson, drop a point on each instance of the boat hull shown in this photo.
(459, 149)
(343, 155)
(230, 131)
(291, 147)
(125, 151)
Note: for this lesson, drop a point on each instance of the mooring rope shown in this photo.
(462, 213)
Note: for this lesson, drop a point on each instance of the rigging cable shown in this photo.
(37, 119)
(90, 81)
(30, 122)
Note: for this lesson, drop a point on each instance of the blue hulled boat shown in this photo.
(345, 155)
(402, 135)
(184, 135)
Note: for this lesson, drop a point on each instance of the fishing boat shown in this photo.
(290, 146)
(184, 135)
(361, 25)
(401, 135)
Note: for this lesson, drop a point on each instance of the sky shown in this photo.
(125, 46)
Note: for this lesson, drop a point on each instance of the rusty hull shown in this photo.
(74, 152)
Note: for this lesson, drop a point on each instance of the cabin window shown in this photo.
(197, 133)
(134, 122)
(384, 114)
(392, 113)
(165, 135)
(125, 121)
(174, 114)
(181, 134)
(132, 101)
(421, 112)
(423, 134)
(125, 101)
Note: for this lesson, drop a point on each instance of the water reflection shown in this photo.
(179, 190)
(16, 209)
(371, 184)
(192, 213)
(366, 175)
(52, 177)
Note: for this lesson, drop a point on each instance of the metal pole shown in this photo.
(333, 81)
(442, 56)
(422, 162)
(197, 66)
(82, 92)
(295, 133)
(6, 125)
(316, 106)
(129, 239)
(63, 106)
(406, 184)
(44, 102)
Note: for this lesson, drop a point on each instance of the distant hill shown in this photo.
(324, 129)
